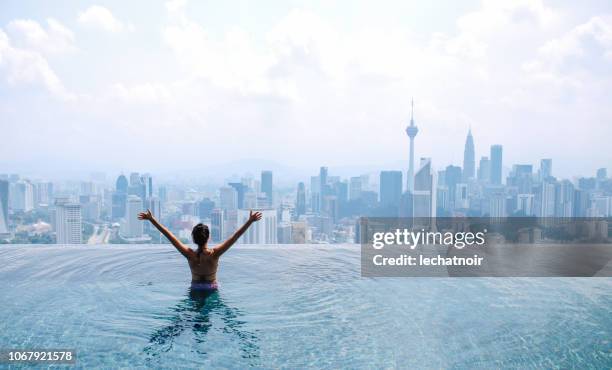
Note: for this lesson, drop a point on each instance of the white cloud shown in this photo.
(30, 67)
(27, 33)
(147, 93)
(97, 16)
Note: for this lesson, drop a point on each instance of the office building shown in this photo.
(267, 186)
(217, 225)
(262, 232)
(496, 164)
(228, 198)
(68, 223)
(4, 200)
(300, 201)
(484, 170)
(469, 161)
(134, 227)
(390, 188)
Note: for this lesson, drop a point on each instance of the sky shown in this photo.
(181, 86)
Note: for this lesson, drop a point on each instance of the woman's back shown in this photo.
(204, 269)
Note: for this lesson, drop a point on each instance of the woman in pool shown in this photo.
(203, 262)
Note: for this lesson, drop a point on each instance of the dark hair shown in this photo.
(200, 234)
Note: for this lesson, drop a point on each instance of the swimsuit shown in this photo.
(204, 285)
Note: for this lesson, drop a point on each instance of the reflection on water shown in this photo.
(198, 312)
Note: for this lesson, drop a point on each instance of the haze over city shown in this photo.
(227, 87)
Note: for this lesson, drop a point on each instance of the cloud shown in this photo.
(147, 93)
(29, 67)
(27, 33)
(97, 16)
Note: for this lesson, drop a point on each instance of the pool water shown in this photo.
(292, 307)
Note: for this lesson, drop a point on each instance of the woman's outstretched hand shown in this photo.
(254, 216)
(145, 215)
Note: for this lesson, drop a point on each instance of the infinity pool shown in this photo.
(292, 307)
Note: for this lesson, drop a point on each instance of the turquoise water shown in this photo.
(292, 307)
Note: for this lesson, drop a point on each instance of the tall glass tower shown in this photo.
(469, 161)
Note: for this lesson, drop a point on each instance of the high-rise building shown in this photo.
(133, 226)
(390, 188)
(323, 191)
(462, 200)
(300, 202)
(119, 198)
(4, 199)
(68, 223)
(217, 225)
(298, 232)
(484, 170)
(355, 188)
(602, 174)
(162, 192)
(266, 185)
(44, 193)
(469, 161)
(496, 164)
(424, 198)
(228, 198)
(205, 207)
(545, 169)
(147, 181)
(262, 232)
(315, 189)
(412, 130)
(154, 205)
(21, 196)
(122, 184)
(546, 200)
(524, 204)
(135, 179)
(564, 199)
(522, 178)
(452, 177)
(240, 191)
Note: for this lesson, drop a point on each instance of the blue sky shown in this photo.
(164, 86)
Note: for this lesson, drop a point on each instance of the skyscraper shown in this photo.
(4, 198)
(217, 229)
(545, 169)
(119, 198)
(322, 186)
(469, 161)
(205, 207)
(68, 221)
(496, 164)
(147, 181)
(355, 188)
(228, 198)
(22, 196)
(240, 191)
(122, 184)
(484, 170)
(300, 202)
(602, 174)
(390, 188)
(412, 132)
(262, 232)
(133, 226)
(424, 198)
(266, 185)
(452, 177)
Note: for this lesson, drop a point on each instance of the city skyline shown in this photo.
(309, 87)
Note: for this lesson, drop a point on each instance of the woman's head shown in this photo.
(200, 234)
